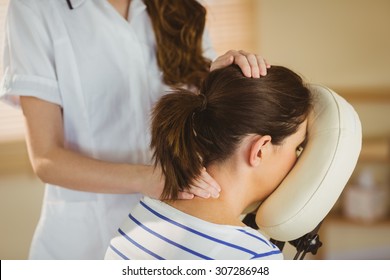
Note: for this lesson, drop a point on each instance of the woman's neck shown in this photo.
(122, 7)
(227, 208)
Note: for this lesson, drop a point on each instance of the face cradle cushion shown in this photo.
(313, 186)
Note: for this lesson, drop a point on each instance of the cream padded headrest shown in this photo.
(313, 186)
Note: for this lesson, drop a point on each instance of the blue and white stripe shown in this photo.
(154, 230)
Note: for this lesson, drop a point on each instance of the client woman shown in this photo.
(248, 134)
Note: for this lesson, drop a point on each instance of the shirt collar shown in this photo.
(137, 7)
(76, 3)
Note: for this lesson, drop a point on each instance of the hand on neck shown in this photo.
(228, 207)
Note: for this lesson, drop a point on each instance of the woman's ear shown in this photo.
(258, 150)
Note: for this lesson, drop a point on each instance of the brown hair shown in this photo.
(190, 131)
(178, 28)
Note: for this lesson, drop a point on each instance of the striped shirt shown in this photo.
(155, 230)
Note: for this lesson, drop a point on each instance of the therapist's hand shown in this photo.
(252, 65)
(204, 186)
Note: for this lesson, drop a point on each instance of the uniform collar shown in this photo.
(139, 6)
(136, 8)
(75, 3)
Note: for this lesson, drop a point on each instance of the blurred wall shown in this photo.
(340, 43)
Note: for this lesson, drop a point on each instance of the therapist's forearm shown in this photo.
(55, 164)
(71, 170)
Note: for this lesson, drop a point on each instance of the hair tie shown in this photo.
(203, 106)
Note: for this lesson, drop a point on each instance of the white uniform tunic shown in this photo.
(101, 69)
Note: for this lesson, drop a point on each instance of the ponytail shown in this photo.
(174, 142)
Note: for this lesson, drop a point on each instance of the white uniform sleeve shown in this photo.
(29, 68)
(208, 50)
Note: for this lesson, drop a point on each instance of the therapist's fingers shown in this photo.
(249, 62)
(257, 64)
(185, 195)
(251, 65)
(205, 186)
(263, 65)
(223, 61)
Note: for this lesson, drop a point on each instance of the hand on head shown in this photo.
(252, 65)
